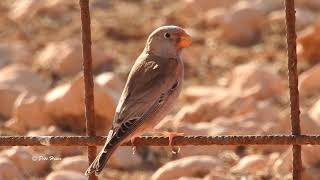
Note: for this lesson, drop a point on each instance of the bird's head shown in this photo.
(168, 41)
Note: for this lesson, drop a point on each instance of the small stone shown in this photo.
(304, 17)
(199, 6)
(16, 79)
(23, 158)
(28, 114)
(8, 171)
(243, 24)
(58, 151)
(65, 105)
(257, 79)
(250, 164)
(69, 61)
(315, 5)
(214, 17)
(309, 81)
(111, 83)
(220, 104)
(73, 163)
(20, 10)
(314, 112)
(193, 93)
(124, 158)
(189, 166)
(310, 155)
(308, 43)
(66, 175)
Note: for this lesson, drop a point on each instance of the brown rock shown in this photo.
(124, 158)
(243, 24)
(208, 108)
(5, 55)
(267, 6)
(309, 4)
(74, 163)
(304, 17)
(308, 43)
(69, 61)
(214, 17)
(311, 173)
(309, 81)
(253, 78)
(205, 5)
(66, 175)
(15, 79)
(309, 126)
(8, 97)
(218, 176)
(21, 10)
(65, 105)
(23, 158)
(193, 93)
(251, 164)
(314, 112)
(283, 165)
(28, 114)
(20, 77)
(9, 171)
(15, 52)
(249, 123)
(59, 151)
(111, 83)
(310, 156)
(189, 178)
(189, 166)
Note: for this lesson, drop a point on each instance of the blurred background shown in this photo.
(235, 84)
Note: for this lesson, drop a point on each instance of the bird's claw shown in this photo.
(132, 145)
(171, 135)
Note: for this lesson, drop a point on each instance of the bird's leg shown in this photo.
(171, 135)
(132, 144)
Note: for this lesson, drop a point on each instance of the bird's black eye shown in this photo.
(167, 35)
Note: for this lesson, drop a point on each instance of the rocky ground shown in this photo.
(235, 84)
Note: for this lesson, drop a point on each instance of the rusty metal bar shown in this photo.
(293, 85)
(88, 78)
(162, 141)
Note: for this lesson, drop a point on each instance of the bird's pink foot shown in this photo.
(171, 135)
(132, 144)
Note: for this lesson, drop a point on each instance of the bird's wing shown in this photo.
(150, 82)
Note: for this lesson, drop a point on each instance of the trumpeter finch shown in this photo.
(153, 86)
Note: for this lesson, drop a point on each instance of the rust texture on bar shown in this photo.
(88, 77)
(293, 85)
(161, 141)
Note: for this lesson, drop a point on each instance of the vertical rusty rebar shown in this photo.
(293, 86)
(88, 78)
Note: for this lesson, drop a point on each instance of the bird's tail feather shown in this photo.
(102, 158)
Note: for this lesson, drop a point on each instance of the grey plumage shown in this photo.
(153, 85)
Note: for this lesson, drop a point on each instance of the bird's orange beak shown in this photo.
(185, 40)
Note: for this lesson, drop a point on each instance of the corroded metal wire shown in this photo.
(88, 78)
(293, 86)
(162, 141)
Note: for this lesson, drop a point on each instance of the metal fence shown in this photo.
(91, 140)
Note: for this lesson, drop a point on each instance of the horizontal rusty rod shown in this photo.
(161, 141)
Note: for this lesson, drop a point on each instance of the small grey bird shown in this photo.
(153, 85)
